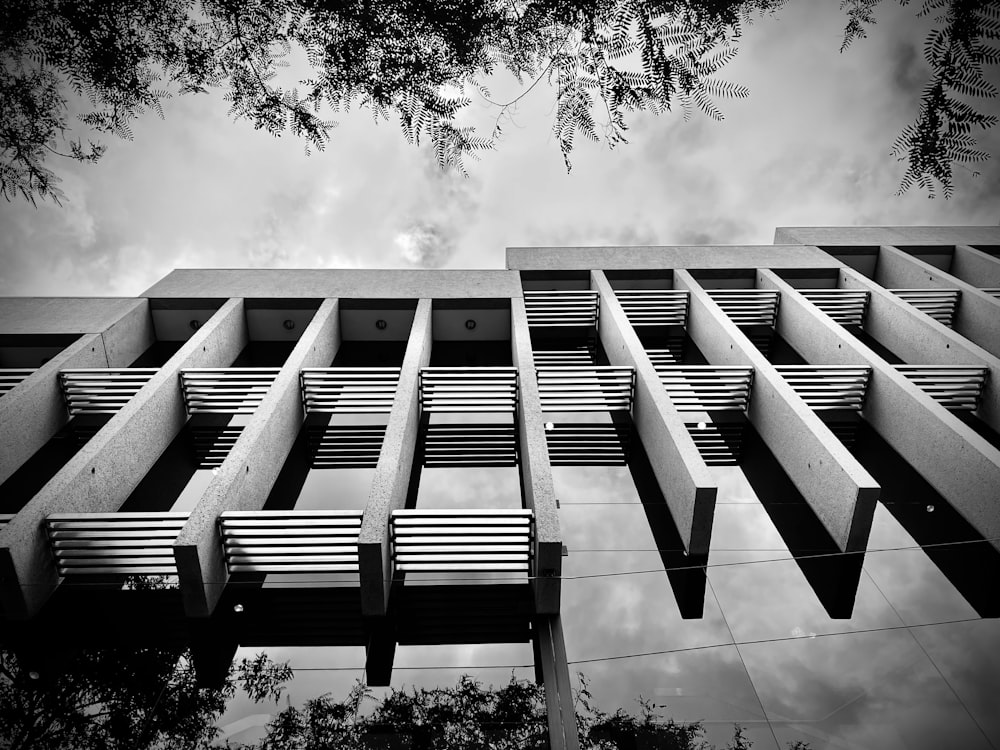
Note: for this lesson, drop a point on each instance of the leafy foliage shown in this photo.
(959, 49)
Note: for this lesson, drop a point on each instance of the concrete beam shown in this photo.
(857, 236)
(921, 340)
(130, 335)
(392, 473)
(838, 489)
(955, 460)
(550, 648)
(100, 477)
(976, 267)
(34, 410)
(668, 257)
(536, 471)
(978, 314)
(246, 476)
(685, 480)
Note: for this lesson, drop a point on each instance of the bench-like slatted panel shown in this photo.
(226, 390)
(707, 387)
(438, 541)
(102, 390)
(368, 390)
(322, 541)
(345, 446)
(573, 444)
(561, 308)
(470, 445)
(828, 386)
(957, 387)
(583, 354)
(747, 307)
(468, 389)
(114, 543)
(586, 388)
(718, 444)
(845, 306)
(940, 304)
(654, 307)
(10, 377)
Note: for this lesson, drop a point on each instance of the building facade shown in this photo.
(753, 484)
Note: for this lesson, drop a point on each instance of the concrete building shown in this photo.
(757, 484)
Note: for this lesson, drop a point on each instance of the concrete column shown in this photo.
(246, 476)
(100, 477)
(392, 473)
(838, 489)
(684, 479)
(978, 314)
(956, 461)
(550, 648)
(975, 267)
(536, 471)
(920, 340)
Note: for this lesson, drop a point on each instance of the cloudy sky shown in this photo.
(810, 147)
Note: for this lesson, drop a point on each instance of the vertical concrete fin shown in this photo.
(246, 476)
(102, 474)
(680, 471)
(129, 336)
(550, 648)
(838, 489)
(953, 458)
(976, 267)
(392, 473)
(920, 339)
(978, 313)
(536, 471)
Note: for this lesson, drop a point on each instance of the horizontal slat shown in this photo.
(10, 377)
(446, 540)
(586, 388)
(457, 389)
(707, 387)
(956, 387)
(235, 390)
(940, 304)
(290, 541)
(747, 306)
(828, 386)
(114, 543)
(561, 308)
(654, 307)
(349, 389)
(101, 391)
(845, 306)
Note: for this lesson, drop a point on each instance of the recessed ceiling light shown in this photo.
(470, 324)
(289, 324)
(381, 324)
(195, 324)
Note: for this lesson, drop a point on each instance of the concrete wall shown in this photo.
(249, 471)
(392, 473)
(38, 315)
(975, 267)
(838, 489)
(687, 485)
(887, 236)
(670, 256)
(956, 461)
(536, 471)
(100, 477)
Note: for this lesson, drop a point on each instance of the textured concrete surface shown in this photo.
(920, 340)
(392, 473)
(34, 410)
(536, 471)
(975, 267)
(26, 315)
(100, 477)
(978, 314)
(956, 461)
(685, 480)
(887, 236)
(322, 283)
(249, 471)
(668, 256)
(838, 489)
(129, 336)
(559, 698)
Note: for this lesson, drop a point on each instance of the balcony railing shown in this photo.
(468, 389)
(447, 541)
(211, 444)
(226, 390)
(956, 387)
(470, 445)
(707, 387)
(940, 304)
(654, 307)
(846, 306)
(102, 390)
(576, 444)
(748, 307)
(368, 390)
(345, 446)
(579, 354)
(828, 386)
(10, 377)
(114, 543)
(586, 388)
(720, 444)
(320, 541)
(561, 308)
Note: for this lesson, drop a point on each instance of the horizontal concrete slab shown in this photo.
(322, 283)
(975, 267)
(838, 489)
(668, 256)
(955, 460)
(968, 235)
(46, 315)
(683, 477)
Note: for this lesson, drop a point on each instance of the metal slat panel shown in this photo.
(845, 306)
(468, 389)
(992, 291)
(828, 386)
(233, 390)
(586, 388)
(748, 306)
(561, 308)
(456, 541)
(349, 389)
(956, 387)
(940, 304)
(654, 307)
(11, 376)
(707, 387)
(101, 391)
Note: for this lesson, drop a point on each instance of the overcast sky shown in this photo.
(810, 147)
